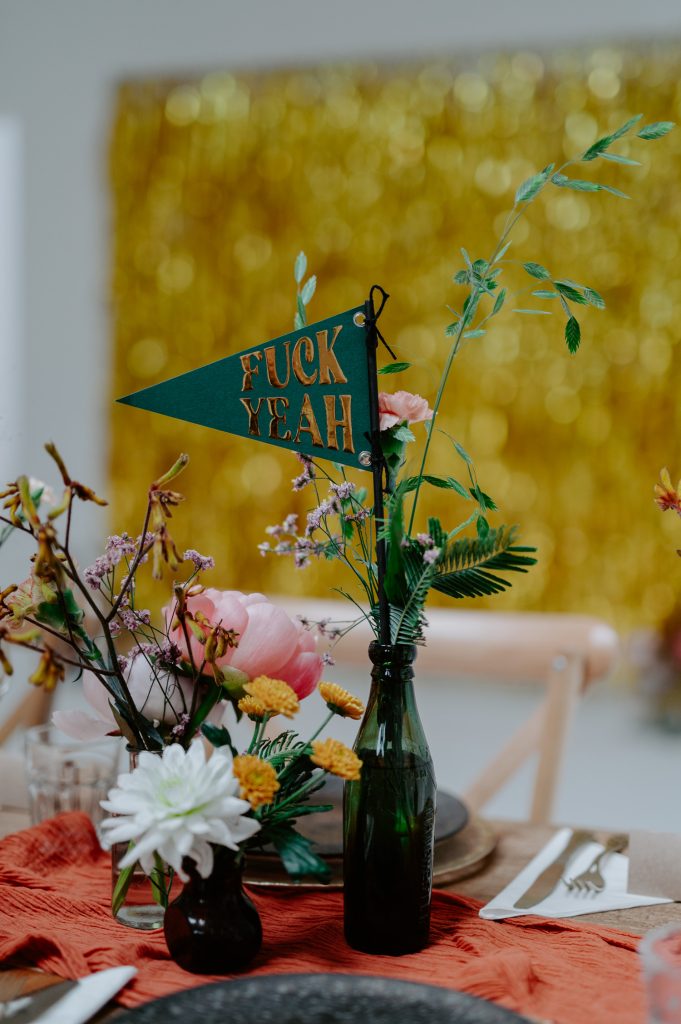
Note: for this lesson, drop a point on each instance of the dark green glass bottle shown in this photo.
(389, 816)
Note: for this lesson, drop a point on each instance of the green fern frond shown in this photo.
(469, 566)
(407, 624)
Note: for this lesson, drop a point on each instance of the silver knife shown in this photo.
(547, 881)
(39, 1002)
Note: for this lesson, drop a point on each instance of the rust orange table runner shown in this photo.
(55, 914)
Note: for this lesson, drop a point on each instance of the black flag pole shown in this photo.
(377, 460)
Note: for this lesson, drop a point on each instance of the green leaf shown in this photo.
(470, 307)
(347, 528)
(462, 452)
(467, 260)
(577, 184)
(299, 267)
(573, 334)
(297, 854)
(308, 289)
(627, 126)
(160, 889)
(219, 736)
(615, 158)
(594, 298)
(655, 130)
(534, 312)
(451, 330)
(458, 487)
(479, 267)
(301, 810)
(461, 277)
(542, 293)
(478, 333)
(502, 252)
(300, 306)
(597, 148)
(410, 483)
(570, 292)
(403, 434)
(536, 270)
(394, 367)
(529, 188)
(499, 302)
(298, 321)
(482, 526)
(447, 484)
(483, 499)
(121, 887)
(52, 615)
(394, 584)
(614, 192)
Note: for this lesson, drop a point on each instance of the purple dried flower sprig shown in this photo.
(202, 563)
(104, 592)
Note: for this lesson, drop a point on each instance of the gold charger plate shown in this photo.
(456, 857)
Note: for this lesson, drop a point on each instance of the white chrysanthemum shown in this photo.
(176, 805)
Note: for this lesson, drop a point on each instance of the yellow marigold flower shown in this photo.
(340, 701)
(333, 756)
(276, 696)
(258, 779)
(666, 497)
(251, 707)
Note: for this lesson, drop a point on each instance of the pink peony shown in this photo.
(402, 406)
(270, 642)
(164, 699)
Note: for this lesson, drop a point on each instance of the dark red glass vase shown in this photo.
(213, 927)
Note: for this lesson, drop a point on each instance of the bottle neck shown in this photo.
(392, 667)
(391, 726)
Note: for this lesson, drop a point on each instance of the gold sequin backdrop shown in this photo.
(381, 174)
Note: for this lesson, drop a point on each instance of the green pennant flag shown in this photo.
(307, 391)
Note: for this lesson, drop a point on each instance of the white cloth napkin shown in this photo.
(561, 902)
(88, 997)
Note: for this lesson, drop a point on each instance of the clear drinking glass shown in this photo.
(68, 775)
(139, 900)
(661, 955)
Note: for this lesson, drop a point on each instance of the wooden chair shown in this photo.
(33, 709)
(564, 654)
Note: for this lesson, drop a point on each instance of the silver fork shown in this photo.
(591, 880)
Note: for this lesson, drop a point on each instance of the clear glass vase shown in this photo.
(139, 900)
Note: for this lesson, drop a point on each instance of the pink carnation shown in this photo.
(402, 406)
(270, 642)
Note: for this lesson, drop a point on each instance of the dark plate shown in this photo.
(319, 999)
(327, 829)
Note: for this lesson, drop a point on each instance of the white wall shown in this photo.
(59, 63)
(11, 265)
